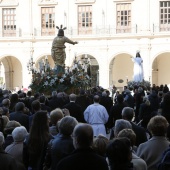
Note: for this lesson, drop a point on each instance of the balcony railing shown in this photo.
(161, 28)
(95, 31)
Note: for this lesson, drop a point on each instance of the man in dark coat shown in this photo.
(36, 106)
(62, 145)
(74, 109)
(43, 105)
(83, 157)
(116, 110)
(154, 101)
(128, 114)
(138, 101)
(20, 116)
(106, 101)
(83, 100)
(53, 102)
(129, 99)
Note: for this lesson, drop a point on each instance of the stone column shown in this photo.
(26, 77)
(9, 80)
(104, 71)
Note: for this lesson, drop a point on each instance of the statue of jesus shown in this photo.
(58, 49)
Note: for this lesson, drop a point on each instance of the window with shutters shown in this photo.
(9, 22)
(123, 18)
(84, 19)
(47, 21)
(165, 16)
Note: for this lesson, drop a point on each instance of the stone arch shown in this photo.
(88, 54)
(119, 53)
(160, 68)
(157, 54)
(93, 70)
(12, 72)
(43, 57)
(120, 68)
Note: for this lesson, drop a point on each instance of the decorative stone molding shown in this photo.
(9, 3)
(47, 2)
(123, 1)
(85, 1)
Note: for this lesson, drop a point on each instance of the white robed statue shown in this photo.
(138, 68)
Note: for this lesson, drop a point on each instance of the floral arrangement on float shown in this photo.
(45, 80)
(145, 84)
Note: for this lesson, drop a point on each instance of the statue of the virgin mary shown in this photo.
(138, 68)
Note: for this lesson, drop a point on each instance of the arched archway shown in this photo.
(11, 73)
(160, 68)
(93, 70)
(121, 68)
(42, 59)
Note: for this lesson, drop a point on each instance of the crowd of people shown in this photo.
(85, 131)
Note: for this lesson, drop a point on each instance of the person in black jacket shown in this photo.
(106, 101)
(154, 100)
(53, 101)
(119, 154)
(128, 114)
(83, 100)
(145, 112)
(44, 107)
(84, 157)
(165, 106)
(20, 116)
(74, 109)
(115, 111)
(138, 101)
(62, 145)
(129, 99)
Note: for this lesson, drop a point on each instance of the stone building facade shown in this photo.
(109, 32)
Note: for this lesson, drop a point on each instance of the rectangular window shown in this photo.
(123, 18)
(164, 16)
(85, 19)
(9, 22)
(47, 21)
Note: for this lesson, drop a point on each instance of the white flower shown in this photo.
(72, 79)
(87, 76)
(48, 77)
(55, 78)
(52, 81)
(46, 83)
(61, 80)
(64, 76)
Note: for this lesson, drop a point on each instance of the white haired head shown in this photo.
(19, 133)
(121, 124)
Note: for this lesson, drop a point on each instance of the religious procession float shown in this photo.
(60, 78)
